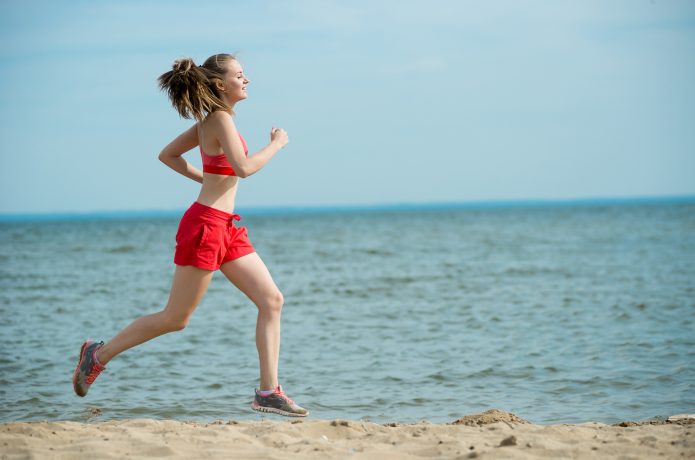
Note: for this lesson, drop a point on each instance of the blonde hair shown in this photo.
(192, 88)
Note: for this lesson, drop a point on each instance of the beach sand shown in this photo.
(492, 434)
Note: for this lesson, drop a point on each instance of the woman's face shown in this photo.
(235, 81)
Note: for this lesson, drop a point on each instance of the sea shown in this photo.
(560, 312)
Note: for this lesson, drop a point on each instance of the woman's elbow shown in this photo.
(243, 171)
(166, 157)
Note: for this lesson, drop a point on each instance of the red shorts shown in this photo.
(207, 238)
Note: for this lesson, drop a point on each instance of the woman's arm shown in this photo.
(228, 137)
(171, 154)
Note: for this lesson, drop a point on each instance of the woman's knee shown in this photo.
(273, 302)
(173, 322)
(178, 325)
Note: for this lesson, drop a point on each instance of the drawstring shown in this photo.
(233, 218)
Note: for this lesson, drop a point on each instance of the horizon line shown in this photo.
(298, 209)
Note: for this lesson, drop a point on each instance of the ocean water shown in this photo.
(560, 314)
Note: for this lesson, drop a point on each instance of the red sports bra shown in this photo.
(219, 164)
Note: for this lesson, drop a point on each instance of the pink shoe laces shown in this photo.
(279, 392)
(96, 369)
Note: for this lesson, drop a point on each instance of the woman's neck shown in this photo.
(229, 102)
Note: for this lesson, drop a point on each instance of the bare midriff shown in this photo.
(219, 192)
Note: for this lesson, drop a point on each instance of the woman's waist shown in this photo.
(219, 201)
(202, 212)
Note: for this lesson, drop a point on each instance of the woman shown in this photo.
(207, 238)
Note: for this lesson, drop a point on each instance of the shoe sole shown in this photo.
(77, 369)
(273, 410)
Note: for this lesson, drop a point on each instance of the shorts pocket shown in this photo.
(191, 237)
(203, 235)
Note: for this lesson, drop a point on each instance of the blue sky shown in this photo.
(384, 102)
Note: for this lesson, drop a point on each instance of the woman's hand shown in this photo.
(279, 136)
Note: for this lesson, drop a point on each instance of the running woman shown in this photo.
(207, 238)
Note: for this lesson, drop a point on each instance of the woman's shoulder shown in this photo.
(219, 115)
(218, 118)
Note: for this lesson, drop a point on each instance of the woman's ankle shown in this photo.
(101, 357)
(262, 387)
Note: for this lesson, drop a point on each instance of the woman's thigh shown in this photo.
(187, 290)
(251, 276)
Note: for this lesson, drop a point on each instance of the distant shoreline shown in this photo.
(328, 209)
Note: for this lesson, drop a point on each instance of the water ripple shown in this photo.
(560, 314)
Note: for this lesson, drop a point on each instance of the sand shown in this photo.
(492, 434)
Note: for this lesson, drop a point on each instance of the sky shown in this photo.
(384, 101)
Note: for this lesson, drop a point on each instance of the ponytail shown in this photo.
(192, 90)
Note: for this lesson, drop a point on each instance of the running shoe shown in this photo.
(88, 368)
(279, 403)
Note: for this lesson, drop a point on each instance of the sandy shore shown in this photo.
(492, 434)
